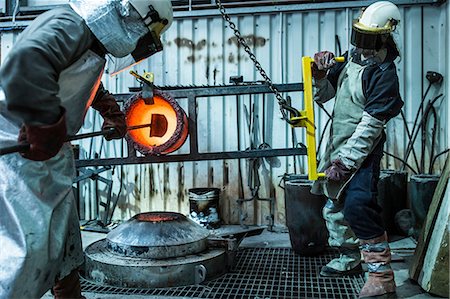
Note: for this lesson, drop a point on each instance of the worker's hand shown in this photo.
(106, 104)
(337, 171)
(323, 61)
(45, 140)
(117, 123)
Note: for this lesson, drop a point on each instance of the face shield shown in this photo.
(147, 46)
(370, 40)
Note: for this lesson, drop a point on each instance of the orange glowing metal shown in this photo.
(169, 127)
(140, 113)
(153, 217)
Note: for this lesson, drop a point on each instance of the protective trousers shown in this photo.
(39, 230)
(342, 237)
(357, 215)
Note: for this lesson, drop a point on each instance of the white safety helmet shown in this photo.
(375, 25)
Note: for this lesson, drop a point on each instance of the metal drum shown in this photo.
(204, 206)
(307, 229)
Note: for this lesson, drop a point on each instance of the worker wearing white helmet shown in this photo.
(366, 92)
(63, 55)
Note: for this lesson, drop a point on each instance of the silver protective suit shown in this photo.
(39, 230)
(124, 29)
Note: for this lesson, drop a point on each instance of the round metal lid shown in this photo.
(158, 235)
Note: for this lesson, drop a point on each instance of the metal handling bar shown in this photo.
(23, 147)
(306, 118)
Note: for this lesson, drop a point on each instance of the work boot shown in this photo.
(331, 272)
(347, 264)
(68, 287)
(377, 255)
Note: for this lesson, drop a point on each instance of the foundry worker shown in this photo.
(50, 78)
(366, 92)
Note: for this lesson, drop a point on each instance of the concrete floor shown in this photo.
(402, 250)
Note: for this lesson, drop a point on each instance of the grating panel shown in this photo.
(260, 273)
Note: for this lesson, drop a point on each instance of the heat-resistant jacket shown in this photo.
(55, 62)
(366, 98)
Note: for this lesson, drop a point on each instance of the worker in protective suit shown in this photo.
(366, 92)
(48, 81)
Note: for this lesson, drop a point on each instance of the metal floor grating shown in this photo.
(260, 273)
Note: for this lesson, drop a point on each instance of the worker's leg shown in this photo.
(363, 214)
(342, 237)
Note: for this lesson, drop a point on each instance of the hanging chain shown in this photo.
(284, 105)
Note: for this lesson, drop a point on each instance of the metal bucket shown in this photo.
(204, 206)
(421, 192)
(392, 196)
(307, 230)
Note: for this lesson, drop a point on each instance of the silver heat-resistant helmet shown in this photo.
(127, 28)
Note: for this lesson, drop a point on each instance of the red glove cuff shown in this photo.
(45, 140)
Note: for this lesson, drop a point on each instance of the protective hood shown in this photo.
(115, 23)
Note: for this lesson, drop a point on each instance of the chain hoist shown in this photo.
(284, 105)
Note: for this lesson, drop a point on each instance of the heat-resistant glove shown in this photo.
(45, 140)
(323, 61)
(113, 118)
(337, 171)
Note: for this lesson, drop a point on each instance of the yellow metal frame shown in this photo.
(306, 120)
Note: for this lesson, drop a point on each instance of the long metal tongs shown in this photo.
(23, 147)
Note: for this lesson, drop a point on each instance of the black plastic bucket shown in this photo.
(307, 229)
(204, 206)
(392, 196)
(421, 194)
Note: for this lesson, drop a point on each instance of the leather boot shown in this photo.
(347, 264)
(377, 255)
(68, 287)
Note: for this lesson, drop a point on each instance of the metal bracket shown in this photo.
(306, 120)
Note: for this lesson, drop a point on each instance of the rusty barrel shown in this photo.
(204, 206)
(307, 229)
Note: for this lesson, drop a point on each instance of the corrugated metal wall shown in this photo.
(203, 50)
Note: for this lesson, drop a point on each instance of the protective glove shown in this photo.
(323, 61)
(106, 104)
(45, 140)
(337, 171)
(117, 123)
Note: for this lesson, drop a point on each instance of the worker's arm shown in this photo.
(29, 75)
(113, 117)
(381, 89)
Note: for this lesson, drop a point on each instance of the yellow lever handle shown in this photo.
(339, 59)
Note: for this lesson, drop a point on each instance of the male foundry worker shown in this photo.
(366, 92)
(48, 81)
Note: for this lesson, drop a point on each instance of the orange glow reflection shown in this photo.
(156, 217)
(140, 113)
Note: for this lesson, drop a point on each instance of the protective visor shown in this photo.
(368, 39)
(147, 46)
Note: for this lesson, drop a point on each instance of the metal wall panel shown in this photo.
(203, 50)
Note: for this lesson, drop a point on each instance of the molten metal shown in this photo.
(169, 124)
(156, 217)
